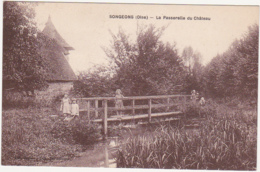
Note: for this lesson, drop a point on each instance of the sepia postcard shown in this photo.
(129, 85)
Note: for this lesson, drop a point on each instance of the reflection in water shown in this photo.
(106, 156)
(112, 143)
(110, 147)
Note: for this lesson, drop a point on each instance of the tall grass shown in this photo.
(226, 140)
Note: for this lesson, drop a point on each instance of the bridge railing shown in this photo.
(100, 108)
(132, 104)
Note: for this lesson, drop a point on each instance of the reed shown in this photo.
(226, 140)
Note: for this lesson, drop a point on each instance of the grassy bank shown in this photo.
(32, 136)
(225, 140)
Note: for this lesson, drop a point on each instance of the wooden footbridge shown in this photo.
(102, 109)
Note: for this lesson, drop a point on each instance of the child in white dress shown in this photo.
(74, 108)
(119, 103)
(202, 101)
(65, 105)
(194, 96)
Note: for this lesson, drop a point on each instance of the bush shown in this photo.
(210, 109)
(14, 99)
(76, 132)
(194, 109)
(31, 136)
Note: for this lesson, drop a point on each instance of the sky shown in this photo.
(85, 26)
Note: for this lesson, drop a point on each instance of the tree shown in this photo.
(95, 83)
(194, 75)
(146, 66)
(23, 67)
(187, 55)
(235, 72)
(247, 65)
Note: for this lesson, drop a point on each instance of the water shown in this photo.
(110, 149)
(103, 153)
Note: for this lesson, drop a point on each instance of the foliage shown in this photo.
(194, 109)
(146, 66)
(235, 72)
(94, 83)
(14, 99)
(194, 71)
(22, 63)
(18, 100)
(224, 141)
(29, 136)
(77, 131)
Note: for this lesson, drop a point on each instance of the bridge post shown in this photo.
(185, 104)
(185, 99)
(168, 102)
(150, 110)
(96, 108)
(88, 106)
(133, 106)
(105, 119)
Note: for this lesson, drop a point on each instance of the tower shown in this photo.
(52, 33)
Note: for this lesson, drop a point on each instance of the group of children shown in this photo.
(70, 110)
(195, 97)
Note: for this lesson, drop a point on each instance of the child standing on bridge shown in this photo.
(194, 96)
(119, 103)
(202, 101)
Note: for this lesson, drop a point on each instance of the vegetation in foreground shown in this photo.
(32, 136)
(226, 140)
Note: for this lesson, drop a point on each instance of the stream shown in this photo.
(103, 153)
(99, 155)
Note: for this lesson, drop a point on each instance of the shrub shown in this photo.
(28, 138)
(194, 109)
(76, 132)
(14, 99)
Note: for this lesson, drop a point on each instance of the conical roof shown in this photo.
(51, 32)
(56, 66)
(53, 49)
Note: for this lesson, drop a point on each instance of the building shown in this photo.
(59, 73)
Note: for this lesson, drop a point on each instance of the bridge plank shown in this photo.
(143, 116)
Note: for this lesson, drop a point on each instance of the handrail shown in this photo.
(132, 107)
(133, 97)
